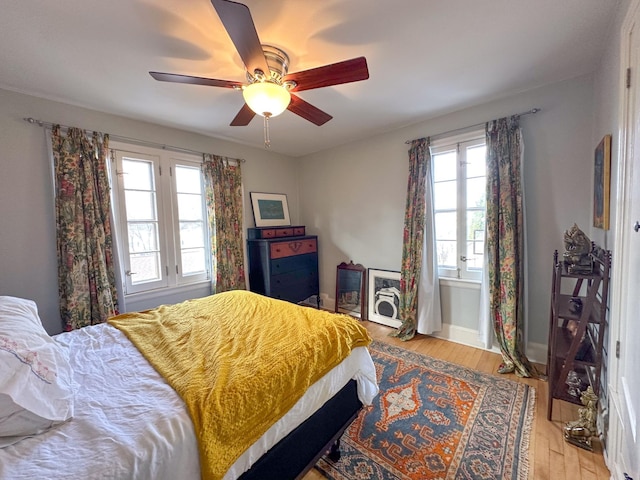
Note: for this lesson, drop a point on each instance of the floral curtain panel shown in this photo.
(223, 184)
(505, 242)
(86, 273)
(419, 292)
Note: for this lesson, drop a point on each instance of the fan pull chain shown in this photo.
(267, 140)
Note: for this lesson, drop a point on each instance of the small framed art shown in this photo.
(270, 209)
(384, 297)
(601, 183)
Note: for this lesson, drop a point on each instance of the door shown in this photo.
(628, 248)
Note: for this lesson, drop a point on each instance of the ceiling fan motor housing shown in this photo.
(278, 62)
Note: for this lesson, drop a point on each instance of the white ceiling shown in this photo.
(425, 57)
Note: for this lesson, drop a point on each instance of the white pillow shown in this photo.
(35, 376)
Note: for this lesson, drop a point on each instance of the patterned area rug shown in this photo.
(436, 420)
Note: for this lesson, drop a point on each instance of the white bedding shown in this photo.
(129, 423)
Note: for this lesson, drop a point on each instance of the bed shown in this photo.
(118, 417)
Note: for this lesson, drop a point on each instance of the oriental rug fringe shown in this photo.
(436, 420)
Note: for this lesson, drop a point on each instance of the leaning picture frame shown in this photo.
(384, 297)
(270, 209)
(601, 183)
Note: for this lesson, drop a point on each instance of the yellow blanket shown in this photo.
(240, 361)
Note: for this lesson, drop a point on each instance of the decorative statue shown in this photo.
(577, 248)
(574, 383)
(579, 432)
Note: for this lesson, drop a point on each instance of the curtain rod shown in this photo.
(528, 112)
(119, 138)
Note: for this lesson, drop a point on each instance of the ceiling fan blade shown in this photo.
(237, 20)
(244, 116)
(348, 71)
(308, 111)
(210, 82)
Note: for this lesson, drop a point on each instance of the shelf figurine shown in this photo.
(577, 248)
(579, 432)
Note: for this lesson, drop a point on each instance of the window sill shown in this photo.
(460, 283)
(164, 291)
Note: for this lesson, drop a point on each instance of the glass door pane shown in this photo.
(191, 219)
(142, 221)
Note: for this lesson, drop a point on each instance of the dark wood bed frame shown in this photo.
(298, 452)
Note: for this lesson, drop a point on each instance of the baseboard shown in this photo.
(462, 335)
(536, 352)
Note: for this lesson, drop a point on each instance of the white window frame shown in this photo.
(459, 144)
(164, 164)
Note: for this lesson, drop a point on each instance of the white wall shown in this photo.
(607, 91)
(28, 265)
(607, 86)
(353, 196)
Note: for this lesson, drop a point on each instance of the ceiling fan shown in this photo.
(270, 88)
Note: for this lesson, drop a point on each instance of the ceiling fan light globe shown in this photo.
(266, 98)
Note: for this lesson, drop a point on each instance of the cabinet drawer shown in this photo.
(293, 247)
(284, 232)
(295, 293)
(275, 232)
(307, 262)
(294, 286)
(271, 233)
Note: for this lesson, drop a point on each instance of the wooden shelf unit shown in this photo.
(576, 336)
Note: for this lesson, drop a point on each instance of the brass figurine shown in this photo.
(577, 248)
(574, 383)
(579, 432)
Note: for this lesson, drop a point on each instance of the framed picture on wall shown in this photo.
(601, 183)
(270, 209)
(384, 297)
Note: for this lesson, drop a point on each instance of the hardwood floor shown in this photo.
(550, 457)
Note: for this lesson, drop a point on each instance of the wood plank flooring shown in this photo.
(550, 457)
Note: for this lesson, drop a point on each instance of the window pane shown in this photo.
(188, 180)
(475, 225)
(475, 238)
(446, 251)
(189, 206)
(476, 192)
(191, 217)
(446, 225)
(140, 205)
(476, 161)
(444, 195)
(145, 267)
(193, 261)
(143, 237)
(137, 175)
(444, 166)
(191, 234)
(475, 255)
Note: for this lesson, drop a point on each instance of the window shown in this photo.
(161, 218)
(459, 176)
